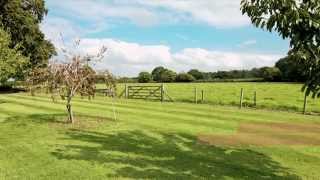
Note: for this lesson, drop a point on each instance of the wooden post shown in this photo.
(241, 98)
(162, 92)
(126, 91)
(255, 99)
(202, 96)
(305, 104)
(195, 95)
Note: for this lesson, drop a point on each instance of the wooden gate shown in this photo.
(145, 92)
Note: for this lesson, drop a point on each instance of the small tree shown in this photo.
(110, 81)
(144, 77)
(36, 78)
(69, 78)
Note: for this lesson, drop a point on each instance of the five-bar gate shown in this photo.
(145, 92)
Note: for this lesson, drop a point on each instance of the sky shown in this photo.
(209, 35)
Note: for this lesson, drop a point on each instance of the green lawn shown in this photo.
(148, 140)
(280, 96)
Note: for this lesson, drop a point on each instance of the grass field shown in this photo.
(153, 140)
(279, 96)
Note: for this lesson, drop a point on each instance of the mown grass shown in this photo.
(147, 140)
(278, 96)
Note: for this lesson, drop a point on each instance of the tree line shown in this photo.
(287, 69)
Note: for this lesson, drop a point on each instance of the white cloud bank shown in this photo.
(128, 59)
(217, 13)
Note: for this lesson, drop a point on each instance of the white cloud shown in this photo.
(56, 28)
(128, 59)
(247, 43)
(217, 13)
(98, 11)
(125, 58)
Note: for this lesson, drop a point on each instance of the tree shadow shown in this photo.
(168, 156)
(34, 118)
(10, 90)
(2, 101)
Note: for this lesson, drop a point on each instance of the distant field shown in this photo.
(152, 140)
(279, 96)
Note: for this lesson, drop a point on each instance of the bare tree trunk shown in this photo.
(69, 110)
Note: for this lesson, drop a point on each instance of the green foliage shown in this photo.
(184, 77)
(21, 18)
(271, 74)
(12, 61)
(291, 70)
(168, 76)
(161, 74)
(144, 77)
(156, 72)
(234, 74)
(299, 21)
(196, 74)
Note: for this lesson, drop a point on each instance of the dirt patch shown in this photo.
(82, 122)
(268, 134)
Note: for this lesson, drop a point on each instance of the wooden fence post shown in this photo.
(202, 96)
(162, 92)
(126, 91)
(305, 104)
(241, 98)
(195, 95)
(255, 99)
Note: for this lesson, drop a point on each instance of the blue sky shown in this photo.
(209, 35)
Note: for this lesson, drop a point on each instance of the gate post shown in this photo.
(241, 98)
(162, 92)
(126, 91)
(195, 95)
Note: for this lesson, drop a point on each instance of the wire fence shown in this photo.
(275, 96)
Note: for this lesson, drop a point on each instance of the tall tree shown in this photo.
(196, 74)
(298, 21)
(21, 19)
(291, 70)
(156, 73)
(11, 60)
(144, 77)
(168, 76)
(184, 77)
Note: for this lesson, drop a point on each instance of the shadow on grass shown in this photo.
(58, 120)
(9, 90)
(168, 156)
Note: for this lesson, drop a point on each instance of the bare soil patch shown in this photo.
(82, 122)
(268, 134)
